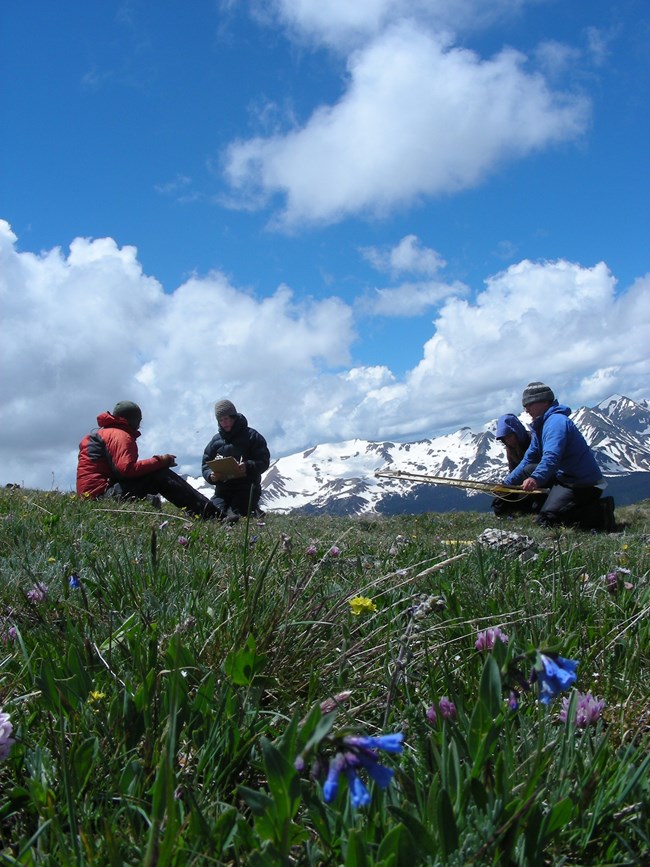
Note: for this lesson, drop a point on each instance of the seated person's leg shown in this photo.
(170, 485)
(558, 503)
(571, 506)
(221, 498)
(588, 512)
(181, 493)
(245, 498)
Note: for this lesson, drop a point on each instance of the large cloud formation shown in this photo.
(86, 329)
(419, 117)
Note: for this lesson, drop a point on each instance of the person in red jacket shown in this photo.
(109, 466)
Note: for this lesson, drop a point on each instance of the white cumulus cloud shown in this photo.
(84, 330)
(419, 118)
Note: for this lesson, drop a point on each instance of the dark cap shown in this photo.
(128, 410)
(537, 391)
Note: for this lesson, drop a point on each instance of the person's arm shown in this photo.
(123, 453)
(259, 457)
(209, 454)
(519, 474)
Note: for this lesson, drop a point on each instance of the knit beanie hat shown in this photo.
(535, 391)
(128, 410)
(224, 407)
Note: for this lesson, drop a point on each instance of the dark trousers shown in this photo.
(577, 505)
(522, 504)
(240, 495)
(171, 486)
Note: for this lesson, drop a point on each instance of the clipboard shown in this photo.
(226, 467)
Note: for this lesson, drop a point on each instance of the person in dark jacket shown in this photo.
(516, 439)
(559, 459)
(514, 436)
(239, 494)
(109, 466)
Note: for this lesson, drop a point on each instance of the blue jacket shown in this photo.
(560, 452)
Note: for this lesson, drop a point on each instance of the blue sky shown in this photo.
(374, 220)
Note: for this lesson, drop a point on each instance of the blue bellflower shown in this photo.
(331, 784)
(555, 675)
(391, 743)
(361, 754)
(359, 794)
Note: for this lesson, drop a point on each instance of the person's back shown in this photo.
(111, 451)
(108, 466)
(564, 452)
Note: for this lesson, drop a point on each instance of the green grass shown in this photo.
(159, 707)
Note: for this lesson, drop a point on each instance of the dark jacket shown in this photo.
(110, 454)
(560, 452)
(243, 443)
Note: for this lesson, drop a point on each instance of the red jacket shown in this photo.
(110, 454)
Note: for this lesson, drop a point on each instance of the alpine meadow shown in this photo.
(438, 689)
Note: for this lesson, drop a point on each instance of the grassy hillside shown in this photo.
(181, 693)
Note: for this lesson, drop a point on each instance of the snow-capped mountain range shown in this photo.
(339, 478)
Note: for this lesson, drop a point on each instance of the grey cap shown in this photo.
(128, 410)
(537, 391)
(224, 407)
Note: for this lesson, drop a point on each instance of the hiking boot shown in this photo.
(607, 512)
(231, 516)
(211, 513)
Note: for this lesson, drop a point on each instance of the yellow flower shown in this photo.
(95, 695)
(51, 559)
(361, 605)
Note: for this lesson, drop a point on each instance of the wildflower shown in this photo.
(331, 784)
(74, 582)
(555, 674)
(485, 639)
(330, 704)
(38, 592)
(6, 741)
(431, 714)
(96, 695)
(391, 743)
(447, 708)
(311, 551)
(163, 525)
(513, 701)
(51, 559)
(369, 761)
(359, 794)
(10, 635)
(587, 709)
(361, 605)
(614, 580)
(183, 541)
(354, 753)
(334, 551)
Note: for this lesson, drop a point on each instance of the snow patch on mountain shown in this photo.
(340, 477)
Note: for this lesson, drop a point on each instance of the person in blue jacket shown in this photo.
(560, 460)
(237, 496)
